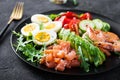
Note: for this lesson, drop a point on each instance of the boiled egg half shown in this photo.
(29, 29)
(40, 18)
(44, 37)
(54, 26)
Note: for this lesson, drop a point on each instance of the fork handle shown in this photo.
(4, 30)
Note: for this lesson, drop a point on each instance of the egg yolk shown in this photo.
(50, 26)
(42, 18)
(42, 37)
(28, 28)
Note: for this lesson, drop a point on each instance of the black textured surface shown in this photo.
(12, 68)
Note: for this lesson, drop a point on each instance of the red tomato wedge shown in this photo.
(70, 14)
(70, 21)
(86, 16)
(73, 25)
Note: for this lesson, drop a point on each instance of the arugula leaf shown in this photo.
(17, 34)
(32, 54)
(20, 42)
(28, 48)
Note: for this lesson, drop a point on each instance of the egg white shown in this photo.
(54, 26)
(52, 35)
(33, 27)
(40, 18)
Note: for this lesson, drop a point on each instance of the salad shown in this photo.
(67, 40)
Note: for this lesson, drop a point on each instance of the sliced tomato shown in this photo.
(70, 21)
(86, 16)
(73, 25)
(66, 26)
(67, 20)
(62, 18)
(70, 14)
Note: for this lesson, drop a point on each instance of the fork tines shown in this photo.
(18, 10)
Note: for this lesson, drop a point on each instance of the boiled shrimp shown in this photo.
(106, 41)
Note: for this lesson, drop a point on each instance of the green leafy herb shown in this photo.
(30, 51)
(28, 48)
(53, 16)
(17, 34)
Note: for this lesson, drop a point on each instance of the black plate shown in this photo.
(110, 63)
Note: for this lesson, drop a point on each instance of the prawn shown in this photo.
(106, 41)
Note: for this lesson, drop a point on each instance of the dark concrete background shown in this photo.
(12, 68)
